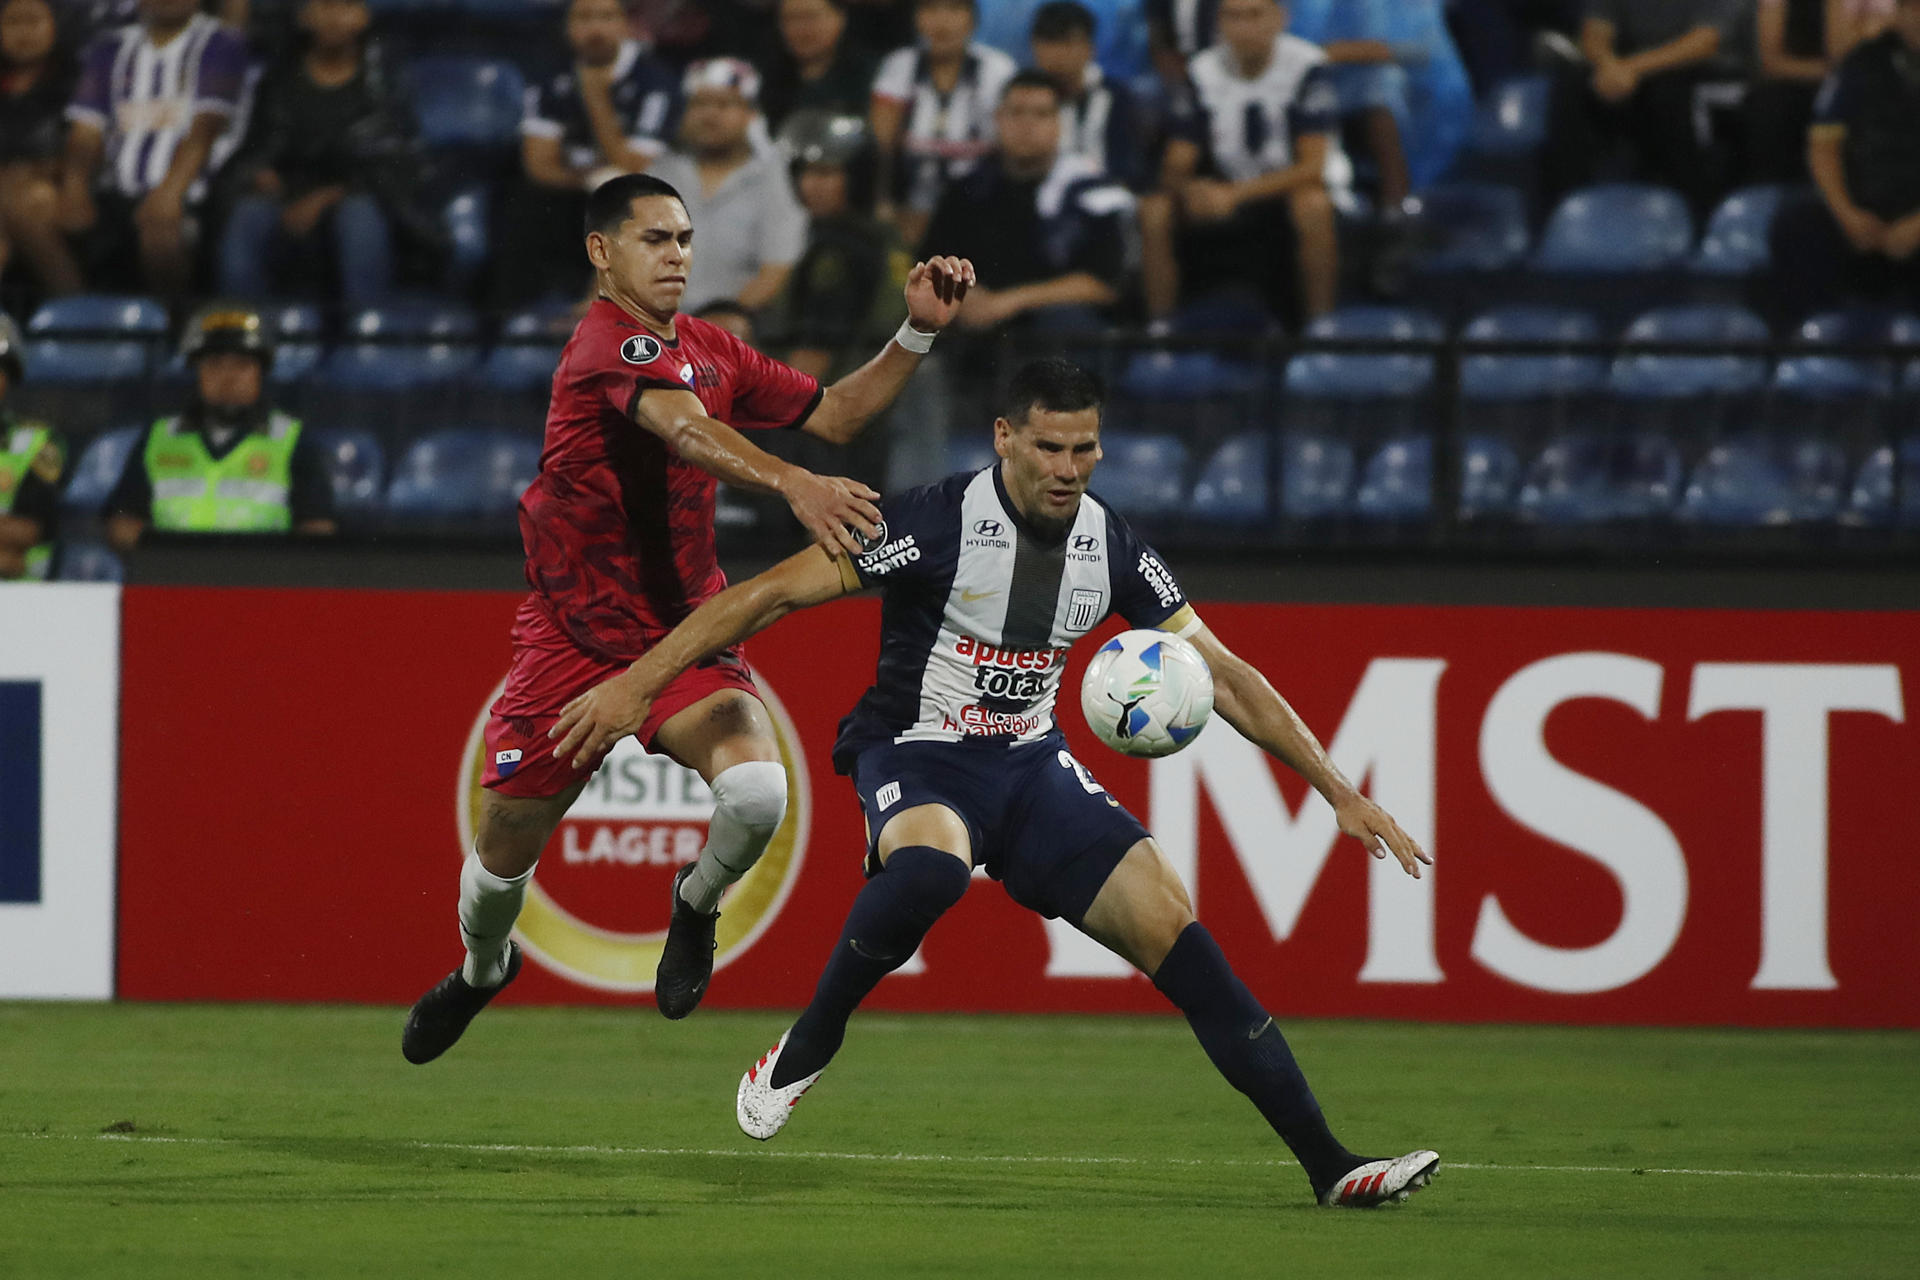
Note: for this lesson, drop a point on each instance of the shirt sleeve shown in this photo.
(223, 75)
(311, 495)
(1145, 592)
(1316, 108)
(537, 118)
(90, 99)
(767, 394)
(913, 525)
(894, 80)
(133, 494)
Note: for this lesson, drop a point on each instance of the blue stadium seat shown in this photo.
(1316, 477)
(1232, 488)
(94, 339)
(1736, 241)
(467, 215)
(1143, 475)
(87, 562)
(1489, 477)
(1365, 376)
(1397, 483)
(414, 319)
(1872, 498)
(1186, 375)
(97, 470)
(515, 367)
(1524, 377)
(1587, 479)
(356, 464)
(1472, 226)
(972, 452)
(1616, 229)
(299, 330)
(1845, 376)
(466, 101)
(544, 322)
(461, 475)
(100, 316)
(1656, 376)
(1513, 117)
(1768, 482)
(405, 345)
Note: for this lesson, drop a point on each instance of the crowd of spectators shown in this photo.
(1105, 162)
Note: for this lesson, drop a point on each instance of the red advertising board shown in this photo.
(1637, 816)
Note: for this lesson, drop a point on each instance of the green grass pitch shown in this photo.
(149, 1141)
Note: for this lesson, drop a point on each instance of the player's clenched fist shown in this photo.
(935, 290)
(836, 512)
(590, 724)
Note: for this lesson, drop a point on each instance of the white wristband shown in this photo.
(913, 340)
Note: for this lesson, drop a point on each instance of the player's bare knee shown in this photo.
(931, 826)
(514, 829)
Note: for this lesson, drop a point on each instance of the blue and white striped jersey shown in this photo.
(978, 612)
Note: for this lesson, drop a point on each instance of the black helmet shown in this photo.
(10, 357)
(231, 327)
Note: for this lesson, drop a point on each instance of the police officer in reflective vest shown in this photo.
(30, 460)
(230, 463)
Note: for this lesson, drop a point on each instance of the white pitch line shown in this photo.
(905, 1157)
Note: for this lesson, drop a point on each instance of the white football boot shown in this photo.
(1379, 1181)
(762, 1109)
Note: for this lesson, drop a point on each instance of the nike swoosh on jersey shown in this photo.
(968, 596)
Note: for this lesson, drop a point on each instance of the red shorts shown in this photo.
(548, 672)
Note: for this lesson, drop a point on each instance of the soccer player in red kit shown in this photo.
(648, 411)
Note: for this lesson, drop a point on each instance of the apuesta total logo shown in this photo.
(596, 911)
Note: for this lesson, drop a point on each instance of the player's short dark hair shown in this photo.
(971, 5)
(1061, 20)
(1054, 384)
(1030, 79)
(611, 203)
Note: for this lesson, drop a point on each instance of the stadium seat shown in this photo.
(466, 101)
(461, 475)
(1525, 377)
(1736, 240)
(298, 333)
(1586, 479)
(544, 322)
(94, 339)
(414, 319)
(1872, 499)
(1186, 375)
(1845, 376)
(1656, 376)
(1744, 483)
(1233, 486)
(1471, 226)
(466, 216)
(97, 470)
(1366, 376)
(514, 367)
(1489, 476)
(356, 464)
(1513, 118)
(1316, 477)
(1397, 483)
(403, 346)
(1143, 475)
(87, 561)
(1615, 229)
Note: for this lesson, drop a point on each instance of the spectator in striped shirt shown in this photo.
(160, 107)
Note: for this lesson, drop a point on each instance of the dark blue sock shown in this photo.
(1247, 1047)
(888, 919)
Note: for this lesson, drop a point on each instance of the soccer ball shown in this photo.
(1147, 693)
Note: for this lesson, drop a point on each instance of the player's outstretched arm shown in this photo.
(832, 509)
(609, 711)
(1253, 706)
(935, 290)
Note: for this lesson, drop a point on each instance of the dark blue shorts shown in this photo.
(1038, 821)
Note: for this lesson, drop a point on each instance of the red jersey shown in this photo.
(618, 528)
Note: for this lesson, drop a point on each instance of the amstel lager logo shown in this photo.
(597, 908)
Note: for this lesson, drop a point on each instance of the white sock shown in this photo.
(489, 904)
(749, 802)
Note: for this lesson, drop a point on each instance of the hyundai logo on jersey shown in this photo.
(20, 790)
(641, 348)
(1085, 542)
(988, 528)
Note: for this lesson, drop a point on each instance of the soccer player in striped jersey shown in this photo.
(987, 579)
